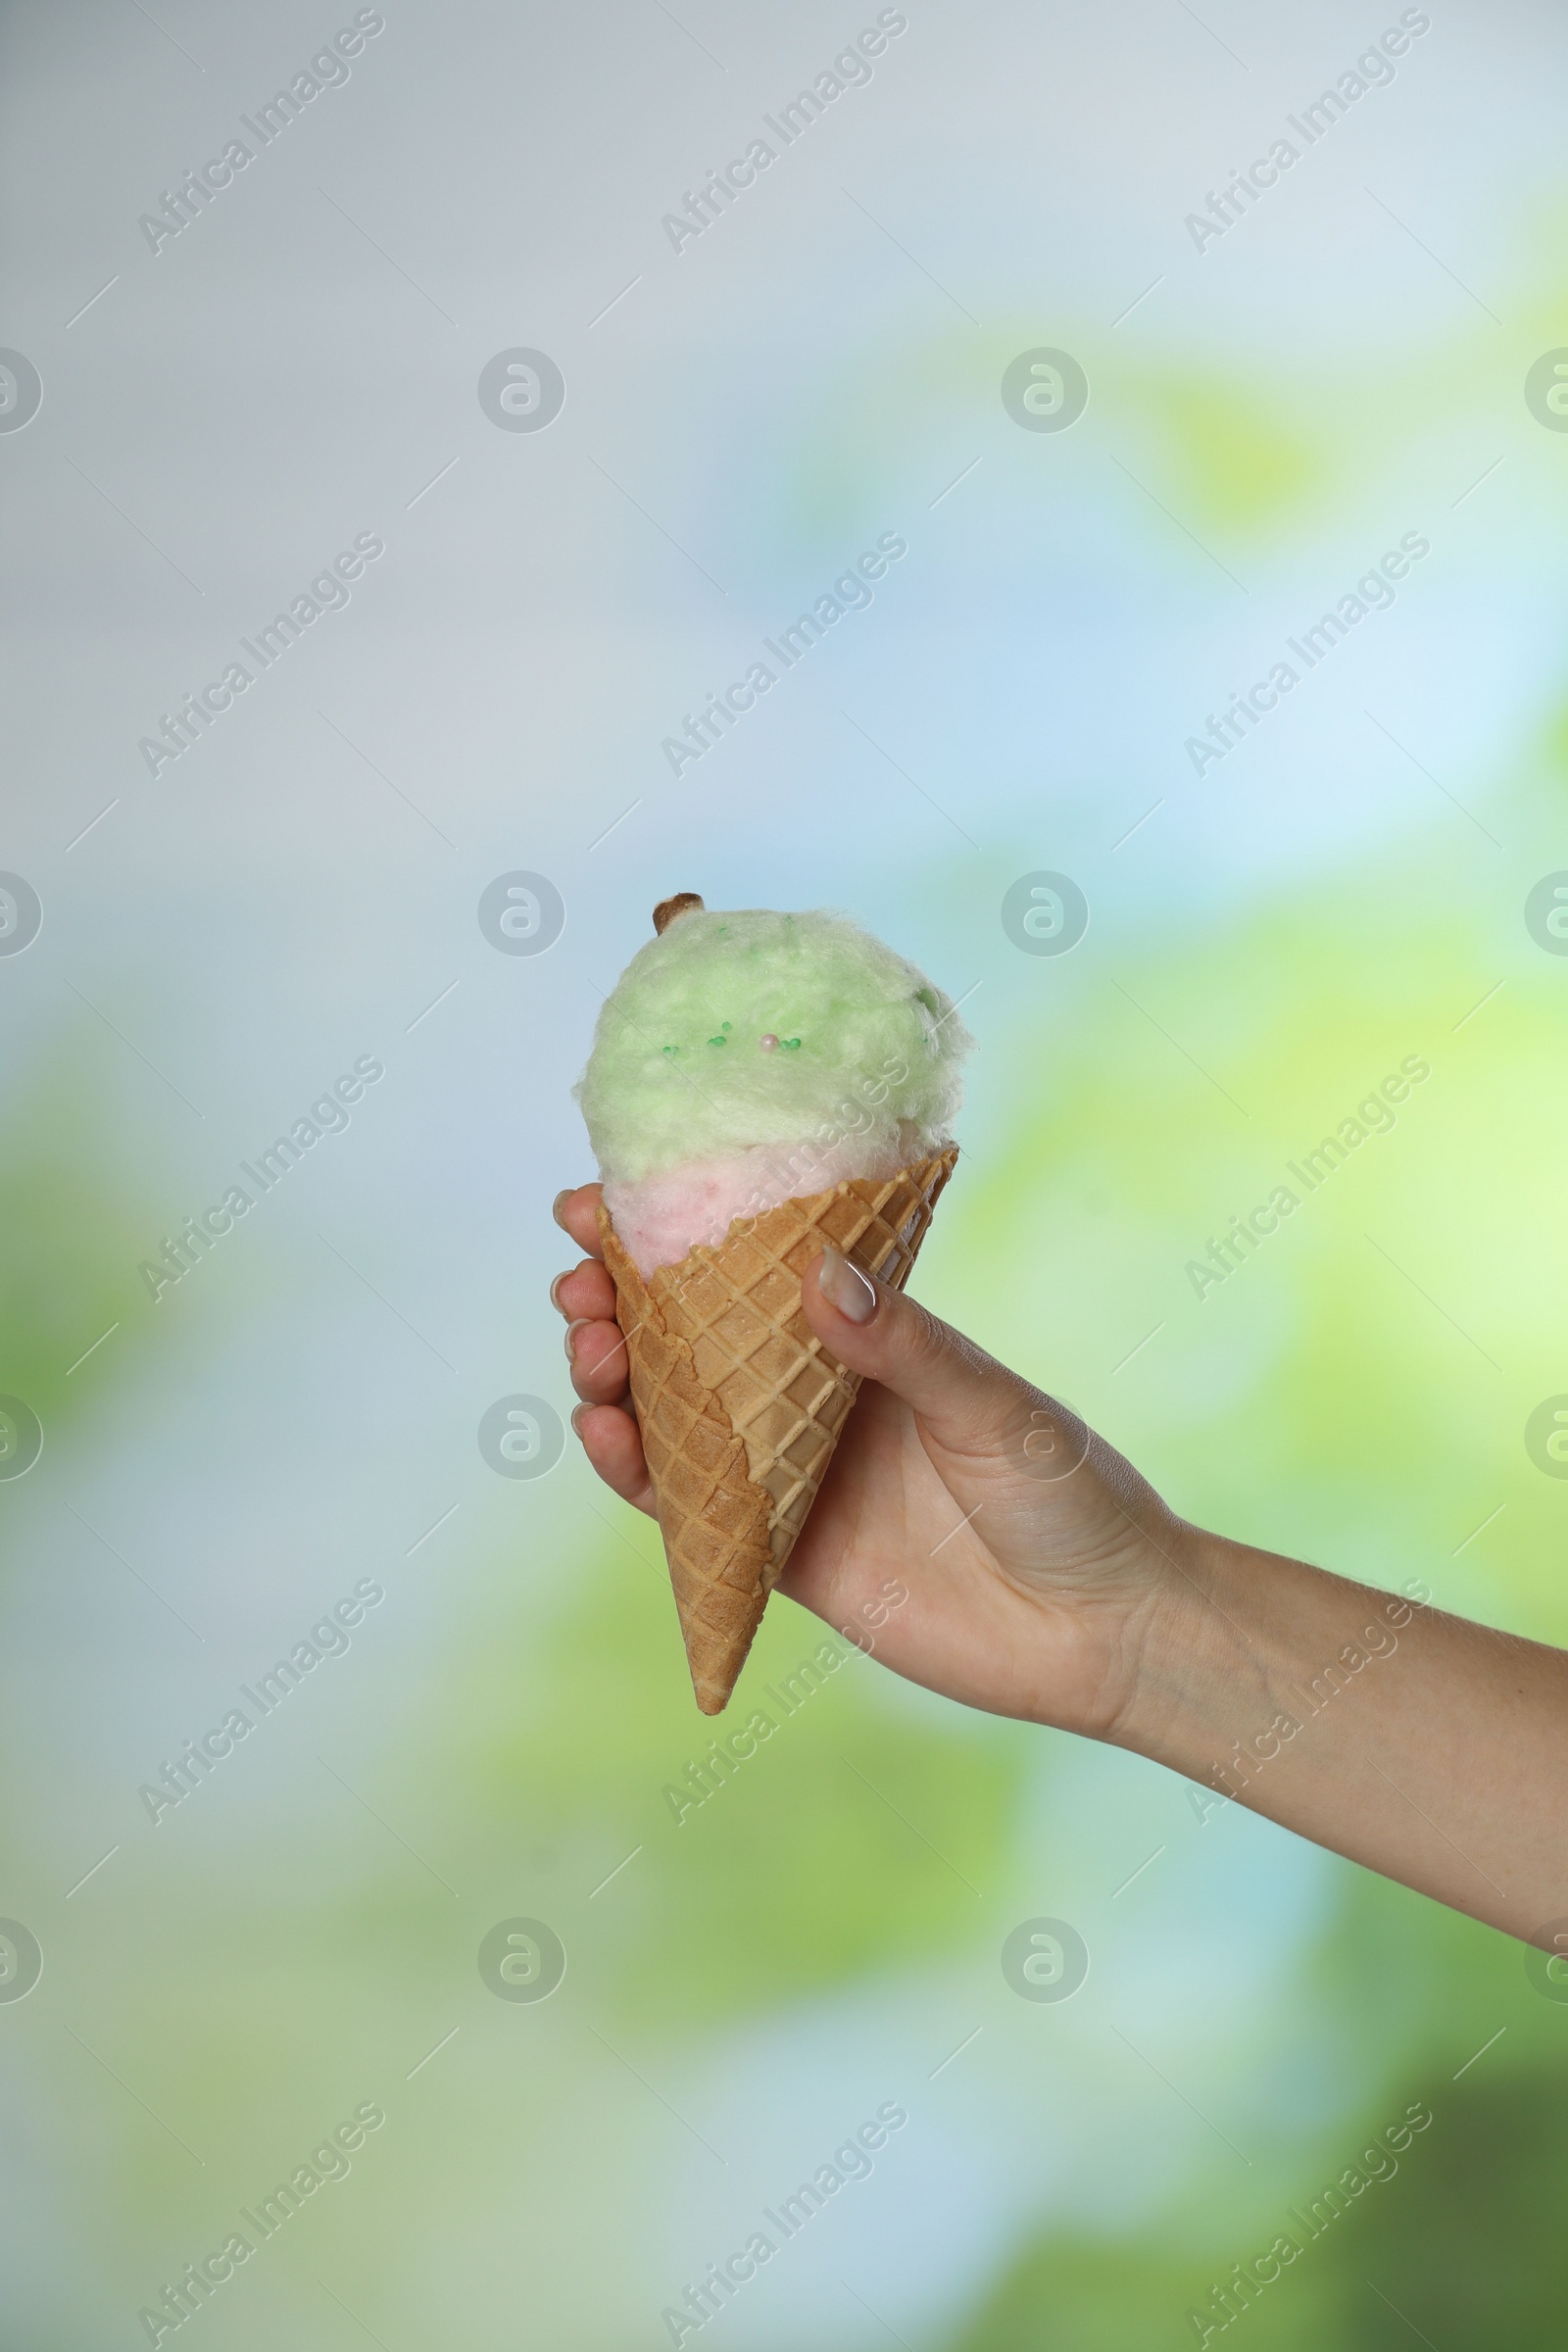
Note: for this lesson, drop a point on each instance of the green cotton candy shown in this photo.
(865, 1044)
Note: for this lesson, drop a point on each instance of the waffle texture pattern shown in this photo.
(740, 1405)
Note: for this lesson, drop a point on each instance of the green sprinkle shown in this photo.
(671, 1048)
(723, 1024)
(719, 1041)
(790, 1044)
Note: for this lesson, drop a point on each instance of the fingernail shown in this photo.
(572, 1329)
(845, 1287)
(575, 1418)
(555, 1207)
(554, 1292)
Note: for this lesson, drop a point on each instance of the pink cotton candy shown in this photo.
(660, 1219)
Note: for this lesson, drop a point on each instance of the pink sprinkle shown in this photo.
(768, 1042)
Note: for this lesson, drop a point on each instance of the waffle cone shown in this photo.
(740, 1405)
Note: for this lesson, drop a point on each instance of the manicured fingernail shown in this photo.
(572, 1329)
(554, 1207)
(845, 1287)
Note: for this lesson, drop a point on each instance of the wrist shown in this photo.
(1197, 1675)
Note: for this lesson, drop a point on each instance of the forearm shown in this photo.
(1433, 1750)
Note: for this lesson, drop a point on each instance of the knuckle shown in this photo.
(920, 1338)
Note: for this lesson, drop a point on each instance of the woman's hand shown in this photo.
(1032, 1572)
(1032, 1555)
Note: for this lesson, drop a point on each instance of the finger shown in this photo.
(577, 1212)
(585, 1293)
(610, 1439)
(967, 1401)
(597, 1355)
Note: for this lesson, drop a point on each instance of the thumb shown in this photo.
(966, 1401)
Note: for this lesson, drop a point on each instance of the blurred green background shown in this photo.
(1347, 888)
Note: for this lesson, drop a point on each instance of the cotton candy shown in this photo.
(746, 1057)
